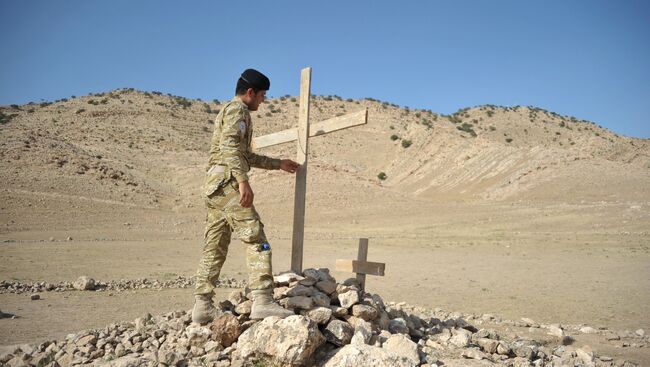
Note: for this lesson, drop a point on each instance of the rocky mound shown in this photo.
(336, 324)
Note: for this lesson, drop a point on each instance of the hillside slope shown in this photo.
(150, 150)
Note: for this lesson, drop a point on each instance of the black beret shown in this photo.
(256, 79)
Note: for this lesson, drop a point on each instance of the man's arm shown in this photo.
(261, 161)
(230, 141)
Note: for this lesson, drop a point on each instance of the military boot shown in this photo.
(264, 306)
(203, 310)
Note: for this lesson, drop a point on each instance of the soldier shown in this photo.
(229, 199)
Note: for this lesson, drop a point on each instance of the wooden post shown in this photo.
(301, 176)
(362, 256)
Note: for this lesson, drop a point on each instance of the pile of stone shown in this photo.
(89, 284)
(335, 324)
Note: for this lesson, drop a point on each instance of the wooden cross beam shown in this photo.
(360, 265)
(301, 135)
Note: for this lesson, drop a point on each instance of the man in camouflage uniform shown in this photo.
(229, 199)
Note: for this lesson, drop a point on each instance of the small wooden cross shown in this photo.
(360, 265)
(302, 135)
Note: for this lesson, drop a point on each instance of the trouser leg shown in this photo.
(247, 225)
(215, 249)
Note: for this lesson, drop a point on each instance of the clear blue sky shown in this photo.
(585, 58)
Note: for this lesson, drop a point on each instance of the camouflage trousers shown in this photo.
(226, 216)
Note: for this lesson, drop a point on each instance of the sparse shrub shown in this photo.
(80, 110)
(349, 100)
(268, 114)
(406, 143)
(394, 137)
(15, 106)
(184, 102)
(382, 176)
(490, 113)
(392, 127)
(6, 118)
(467, 128)
(492, 128)
(508, 140)
(293, 99)
(455, 119)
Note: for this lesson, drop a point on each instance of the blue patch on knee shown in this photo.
(265, 246)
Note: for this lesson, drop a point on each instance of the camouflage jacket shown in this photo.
(231, 142)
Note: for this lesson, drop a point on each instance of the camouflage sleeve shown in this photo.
(260, 161)
(231, 152)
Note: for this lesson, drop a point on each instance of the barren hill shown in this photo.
(149, 149)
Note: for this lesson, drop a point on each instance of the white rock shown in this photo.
(321, 315)
(585, 354)
(362, 332)
(299, 290)
(460, 338)
(291, 340)
(556, 331)
(84, 283)
(488, 345)
(366, 355)
(365, 312)
(402, 346)
(349, 298)
(286, 278)
(473, 353)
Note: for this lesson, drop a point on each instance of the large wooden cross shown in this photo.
(301, 135)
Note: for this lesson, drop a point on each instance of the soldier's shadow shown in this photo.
(5, 315)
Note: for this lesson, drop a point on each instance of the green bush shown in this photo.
(6, 118)
(406, 143)
(382, 176)
(466, 127)
(508, 140)
(394, 137)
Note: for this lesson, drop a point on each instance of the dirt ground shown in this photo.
(512, 261)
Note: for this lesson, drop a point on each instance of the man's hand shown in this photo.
(245, 194)
(289, 166)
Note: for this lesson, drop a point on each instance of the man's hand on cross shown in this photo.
(289, 166)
